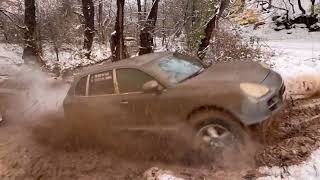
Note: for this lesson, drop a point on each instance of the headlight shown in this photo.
(254, 90)
(265, 65)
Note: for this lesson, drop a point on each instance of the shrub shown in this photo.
(317, 8)
(227, 46)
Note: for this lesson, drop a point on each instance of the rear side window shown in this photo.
(101, 83)
(131, 80)
(81, 87)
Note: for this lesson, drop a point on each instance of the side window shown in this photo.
(101, 83)
(80, 89)
(131, 80)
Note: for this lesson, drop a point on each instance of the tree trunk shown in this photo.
(67, 8)
(88, 13)
(100, 23)
(117, 39)
(292, 7)
(145, 6)
(146, 34)
(269, 4)
(139, 11)
(30, 50)
(312, 7)
(301, 8)
(189, 16)
(211, 26)
(189, 20)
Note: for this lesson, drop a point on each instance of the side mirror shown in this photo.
(151, 87)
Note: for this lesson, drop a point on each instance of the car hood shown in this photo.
(235, 72)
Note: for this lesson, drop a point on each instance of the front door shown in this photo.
(141, 107)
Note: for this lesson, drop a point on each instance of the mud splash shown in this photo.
(304, 86)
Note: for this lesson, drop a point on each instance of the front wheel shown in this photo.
(2, 116)
(217, 131)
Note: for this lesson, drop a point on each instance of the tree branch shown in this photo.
(7, 14)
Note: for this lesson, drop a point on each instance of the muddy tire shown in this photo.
(217, 131)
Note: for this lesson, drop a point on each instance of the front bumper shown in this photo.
(255, 111)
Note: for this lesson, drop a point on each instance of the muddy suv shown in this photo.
(166, 91)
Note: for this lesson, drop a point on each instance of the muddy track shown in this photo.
(295, 134)
(23, 155)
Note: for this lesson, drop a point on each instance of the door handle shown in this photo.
(124, 102)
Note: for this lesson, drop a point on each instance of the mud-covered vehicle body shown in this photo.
(165, 91)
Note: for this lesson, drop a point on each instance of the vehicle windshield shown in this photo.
(178, 69)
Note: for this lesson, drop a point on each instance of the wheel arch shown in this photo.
(205, 108)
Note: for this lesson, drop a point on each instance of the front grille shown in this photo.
(273, 102)
(282, 89)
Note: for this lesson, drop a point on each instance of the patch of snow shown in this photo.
(71, 57)
(172, 44)
(155, 173)
(294, 52)
(10, 54)
(10, 58)
(295, 57)
(309, 170)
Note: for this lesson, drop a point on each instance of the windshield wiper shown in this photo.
(195, 74)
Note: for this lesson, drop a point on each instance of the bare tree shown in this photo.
(145, 6)
(88, 13)
(146, 34)
(312, 7)
(67, 8)
(301, 8)
(270, 4)
(30, 50)
(117, 39)
(189, 15)
(211, 26)
(292, 6)
(139, 10)
(100, 17)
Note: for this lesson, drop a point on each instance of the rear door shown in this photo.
(103, 99)
(96, 100)
(75, 102)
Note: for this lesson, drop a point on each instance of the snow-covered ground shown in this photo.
(292, 58)
(10, 57)
(309, 170)
(293, 52)
(69, 57)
